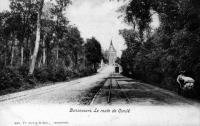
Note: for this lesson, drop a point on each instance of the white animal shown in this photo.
(185, 82)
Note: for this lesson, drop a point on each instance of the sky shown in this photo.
(96, 18)
(4, 5)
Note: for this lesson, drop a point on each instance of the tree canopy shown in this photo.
(171, 48)
(93, 51)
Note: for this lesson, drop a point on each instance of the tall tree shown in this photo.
(37, 41)
(61, 22)
(93, 52)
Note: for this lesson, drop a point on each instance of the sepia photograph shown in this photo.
(99, 63)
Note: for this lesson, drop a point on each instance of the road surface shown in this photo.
(136, 103)
(60, 93)
(120, 90)
(103, 88)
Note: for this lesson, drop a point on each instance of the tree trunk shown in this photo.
(5, 62)
(44, 57)
(12, 52)
(76, 57)
(44, 52)
(48, 52)
(40, 62)
(22, 56)
(27, 54)
(34, 56)
(30, 55)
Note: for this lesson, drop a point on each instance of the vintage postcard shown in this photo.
(99, 63)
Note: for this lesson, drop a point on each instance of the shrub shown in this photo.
(10, 78)
(23, 70)
(42, 74)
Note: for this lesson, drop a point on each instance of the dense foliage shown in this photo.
(93, 52)
(59, 56)
(171, 48)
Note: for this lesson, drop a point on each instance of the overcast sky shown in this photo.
(96, 18)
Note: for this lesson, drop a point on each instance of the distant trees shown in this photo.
(93, 52)
(173, 47)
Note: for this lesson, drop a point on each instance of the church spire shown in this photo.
(111, 44)
(111, 48)
(112, 54)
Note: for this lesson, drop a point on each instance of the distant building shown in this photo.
(111, 54)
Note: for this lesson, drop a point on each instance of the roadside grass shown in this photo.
(17, 79)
